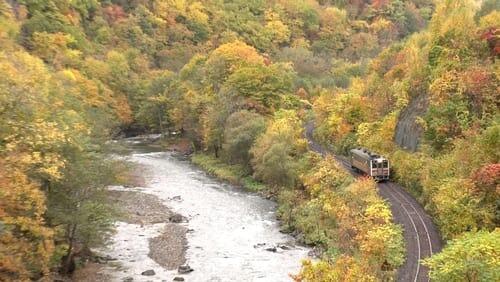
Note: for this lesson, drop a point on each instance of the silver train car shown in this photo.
(370, 163)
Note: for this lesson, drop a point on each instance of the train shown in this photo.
(372, 164)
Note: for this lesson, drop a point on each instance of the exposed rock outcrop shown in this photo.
(408, 130)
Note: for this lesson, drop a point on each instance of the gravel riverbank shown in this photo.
(151, 221)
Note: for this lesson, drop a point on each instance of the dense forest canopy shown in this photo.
(416, 80)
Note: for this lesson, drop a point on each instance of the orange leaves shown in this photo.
(122, 108)
(114, 13)
(229, 57)
(236, 52)
(482, 89)
(54, 49)
(346, 268)
(378, 4)
(487, 180)
(25, 241)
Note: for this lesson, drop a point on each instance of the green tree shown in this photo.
(241, 130)
(77, 205)
(472, 257)
(276, 153)
(262, 87)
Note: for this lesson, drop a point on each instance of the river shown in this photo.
(229, 228)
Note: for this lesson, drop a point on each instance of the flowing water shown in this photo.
(230, 227)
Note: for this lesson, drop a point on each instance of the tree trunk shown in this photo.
(161, 124)
(216, 151)
(68, 264)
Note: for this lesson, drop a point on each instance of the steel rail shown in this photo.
(414, 228)
(419, 216)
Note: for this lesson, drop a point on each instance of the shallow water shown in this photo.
(228, 223)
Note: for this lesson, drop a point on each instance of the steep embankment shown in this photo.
(421, 235)
(408, 130)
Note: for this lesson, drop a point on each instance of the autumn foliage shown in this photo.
(238, 79)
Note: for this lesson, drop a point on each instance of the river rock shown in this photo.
(176, 218)
(128, 279)
(184, 269)
(284, 247)
(148, 272)
(259, 245)
(178, 278)
(272, 249)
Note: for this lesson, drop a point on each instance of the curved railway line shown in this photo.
(421, 236)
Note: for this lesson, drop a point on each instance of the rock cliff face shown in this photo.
(408, 131)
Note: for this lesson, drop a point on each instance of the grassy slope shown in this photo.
(234, 174)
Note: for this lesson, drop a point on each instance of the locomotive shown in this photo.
(370, 163)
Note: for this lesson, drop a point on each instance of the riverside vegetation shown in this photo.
(238, 79)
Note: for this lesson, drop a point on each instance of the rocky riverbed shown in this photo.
(182, 224)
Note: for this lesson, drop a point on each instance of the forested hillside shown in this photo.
(416, 80)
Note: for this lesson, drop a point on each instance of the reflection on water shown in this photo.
(230, 227)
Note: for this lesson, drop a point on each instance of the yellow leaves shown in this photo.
(236, 53)
(380, 244)
(473, 255)
(378, 135)
(453, 16)
(23, 75)
(490, 20)
(364, 189)
(8, 26)
(97, 69)
(327, 176)
(334, 19)
(53, 48)
(447, 85)
(378, 212)
(83, 89)
(278, 31)
(339, 113)
(317, 271)
(372, 243)
(25, 241)
(196, 12)
(345, 268)
(380, 25)
(275, 28)
(69, 74)
(454, 211)
(362, 226)
(30, 146)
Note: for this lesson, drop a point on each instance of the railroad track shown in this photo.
(420, 234)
